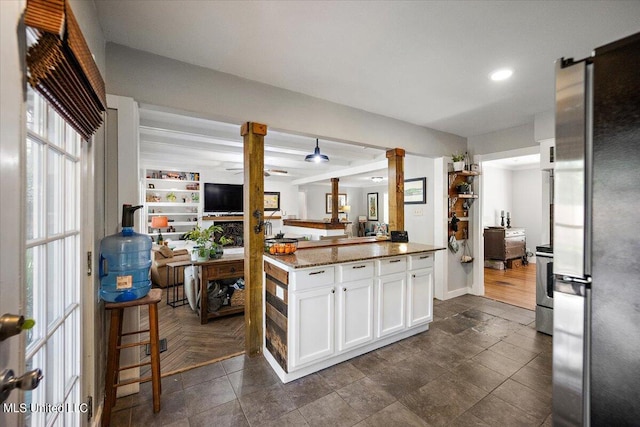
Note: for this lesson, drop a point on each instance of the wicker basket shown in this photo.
(238, 297)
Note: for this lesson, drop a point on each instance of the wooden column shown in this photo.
(396, 188)
(253, 198)
(334, 200)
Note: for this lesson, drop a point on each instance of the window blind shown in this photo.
(61, 67)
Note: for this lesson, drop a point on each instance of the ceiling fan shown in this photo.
(267, 172)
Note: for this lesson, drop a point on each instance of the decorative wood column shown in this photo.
(253, 199)
(396, 188)
(334, 200)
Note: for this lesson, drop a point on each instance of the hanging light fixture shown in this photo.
(316, 156)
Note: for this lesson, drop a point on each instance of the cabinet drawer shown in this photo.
(420, 261)
(514, 242)
(514, 233)
(514, 252)
(307, 279)
(391, 265)
(224, 270)
(355, 271)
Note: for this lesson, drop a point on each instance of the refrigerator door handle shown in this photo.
(569, 279)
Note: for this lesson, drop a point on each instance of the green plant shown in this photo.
(171, 196)
(205, 238)
(457, 157)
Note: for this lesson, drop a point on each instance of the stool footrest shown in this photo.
(137, 365)
(134, 332)
(133, 344)
(133, 381)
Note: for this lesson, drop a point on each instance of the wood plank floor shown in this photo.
(515, 286)
(190, 344)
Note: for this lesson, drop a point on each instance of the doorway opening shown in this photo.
(513, 224)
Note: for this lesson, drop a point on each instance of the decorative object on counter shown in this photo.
(508, 220)
(280, 246)
(467, 161)
(399, 236)
(502, 218)
(159, 222)
(316, 156)
(415, 191)
(458, 162)
(372, 206)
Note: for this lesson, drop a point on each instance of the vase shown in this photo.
(216, 252)
(203, 255)
(458, 166)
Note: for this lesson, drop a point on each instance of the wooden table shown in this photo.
(228, 267)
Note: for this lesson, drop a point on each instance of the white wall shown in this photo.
(498, 184)
(503, 140)
(526, 211)
(160, 81)
(419, 218)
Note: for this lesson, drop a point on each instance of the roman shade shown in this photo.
(61, 67)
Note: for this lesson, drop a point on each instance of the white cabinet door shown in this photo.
(420, 296)
(312, 335)
(355, 313)
(391, 303)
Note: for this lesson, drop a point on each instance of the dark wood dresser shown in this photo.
(504, 243)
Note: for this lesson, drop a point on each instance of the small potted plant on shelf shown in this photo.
(171, 197)
(458, 162)
(463, 188)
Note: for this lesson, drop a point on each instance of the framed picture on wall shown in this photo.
(342, 201)
(271, 200)
(372, 206)
(415, 191)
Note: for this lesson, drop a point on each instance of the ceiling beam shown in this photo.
(355, 170)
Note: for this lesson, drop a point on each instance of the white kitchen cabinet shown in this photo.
(419, 296)
(333, 312)
(355, 313)
(391, 303)
(313, 335)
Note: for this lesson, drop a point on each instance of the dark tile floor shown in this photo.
(482, 363)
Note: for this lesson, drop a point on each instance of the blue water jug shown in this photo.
(125, 259)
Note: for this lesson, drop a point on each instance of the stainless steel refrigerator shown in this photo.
(596, 331)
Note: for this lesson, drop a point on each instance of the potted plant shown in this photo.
(464, 188)
(458, 162)
(217, 250)
(171, 196)
(203, 239)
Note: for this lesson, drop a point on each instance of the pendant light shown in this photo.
(316, 156)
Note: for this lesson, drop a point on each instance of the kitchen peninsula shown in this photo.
(332, 301)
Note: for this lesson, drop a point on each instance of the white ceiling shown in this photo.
(424, 62)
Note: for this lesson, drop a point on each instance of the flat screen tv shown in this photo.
(222, 198)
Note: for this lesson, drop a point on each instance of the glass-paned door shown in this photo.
(52, 265)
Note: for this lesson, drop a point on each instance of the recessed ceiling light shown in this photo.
(501, 74)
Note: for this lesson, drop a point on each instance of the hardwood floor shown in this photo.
(515, 286)
(190, 344)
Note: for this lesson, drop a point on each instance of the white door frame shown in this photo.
(12, 143)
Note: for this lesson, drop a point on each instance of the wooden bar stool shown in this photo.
(115, 345)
